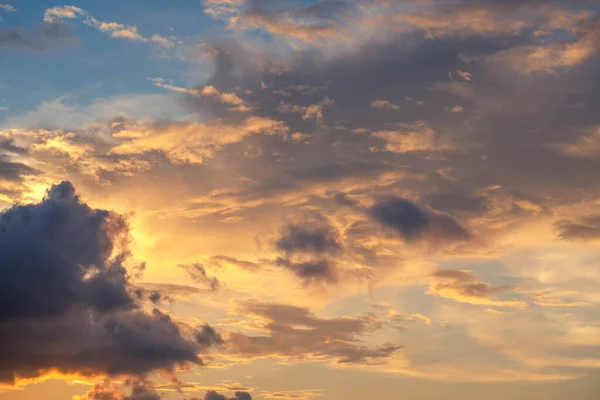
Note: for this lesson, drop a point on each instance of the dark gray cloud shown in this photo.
(309, 249)
(212, 395)
(587, 229)
(407, 218)
(14, 171)
(197, 272)
(207, 337)
(66, 301)
(48, 36)
(312, 271)
(139, 390)
(85, 343)
(413, 222)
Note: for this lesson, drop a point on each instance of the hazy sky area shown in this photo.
(300, 200)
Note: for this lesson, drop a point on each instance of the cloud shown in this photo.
(307, 239)
(191, 143)
(587, 146)
(587, 229)
(221, 260)
(226, 98)
(413, 222)
(50, 282)
(470, 165)
(413, 137)
(48, 36)
(56, 14)
(67, 303)
(294, 333)
(292, 394)
(384, 105)
(312, 271)
(14, 171)
(77, 152)
(7, 7)
(140, 390)
(69, 115)
(146, 390)
(308, 250)
(207, 337)
(337, 26)
(169, 291)
(222, 9)
(115, 29)
(467, 76)
(161, 40)
(549, 59)
(463, 286)
(198, 274)
(208, 99)
(456, 109)
(310, 112)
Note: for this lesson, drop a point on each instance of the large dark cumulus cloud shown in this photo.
(47, 36)
(302, 238)
(66, 301)
(47, 250)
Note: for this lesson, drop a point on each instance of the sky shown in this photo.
(299, 199)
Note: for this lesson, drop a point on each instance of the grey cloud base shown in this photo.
(66, 301)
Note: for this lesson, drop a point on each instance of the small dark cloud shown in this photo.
(313, 271)
(139, 390)
(413, 222)
(198, 273)
(309, 249)
(221, 260)
(207, 337)
(14, 171)
(298, 238)
(401, 214)
(587, 229)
